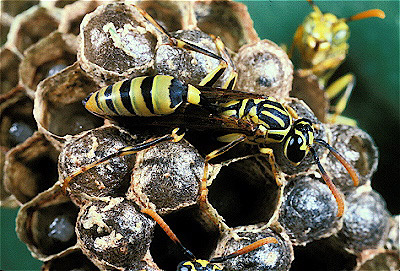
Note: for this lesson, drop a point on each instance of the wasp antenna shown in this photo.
(367, 14)
(314, 6)
(341, 159)
(157, 218)
(154, 22)
(245, 250)
(329, 183)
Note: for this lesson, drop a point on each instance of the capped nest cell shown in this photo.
(167, 177)
(112, 233)
(308, 211)
(264, 68)
(105, 193)
(275, 257)
(106, 180)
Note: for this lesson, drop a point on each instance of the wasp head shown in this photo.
(298, 140)
(197, 265)
(324, 36)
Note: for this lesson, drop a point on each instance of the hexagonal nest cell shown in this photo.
(111, 193)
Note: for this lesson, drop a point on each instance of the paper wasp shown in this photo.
(244, 117)
(321, 41)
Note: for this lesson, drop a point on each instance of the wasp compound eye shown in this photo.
(294, 150)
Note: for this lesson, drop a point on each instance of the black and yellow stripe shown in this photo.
(197, 265)
(142, 96)
(268, 113)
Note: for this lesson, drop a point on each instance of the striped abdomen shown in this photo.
(197, 265)
(142, 96)
(270, 116)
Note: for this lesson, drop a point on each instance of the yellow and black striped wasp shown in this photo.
(194, 264)
(244, 117)
(321, 41)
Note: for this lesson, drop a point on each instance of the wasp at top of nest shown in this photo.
(321, 41)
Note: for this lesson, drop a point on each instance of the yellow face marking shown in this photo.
(203, 263)
(311, 137)
(322, 41)
(189, 264)
(303, 146)
(341, 33)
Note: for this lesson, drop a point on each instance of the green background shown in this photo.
(373, 58)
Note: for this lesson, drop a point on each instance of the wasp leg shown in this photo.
(232, 79)
(215, 74)
(203, 200)
(271, 158)
(345, 83)
(158, 219)
(246, 249)
(292, 112)
(320, 70)
(176, 135)
(177, 42)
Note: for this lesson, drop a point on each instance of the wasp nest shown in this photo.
(83, 204)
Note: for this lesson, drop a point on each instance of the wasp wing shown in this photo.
(220, 95)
